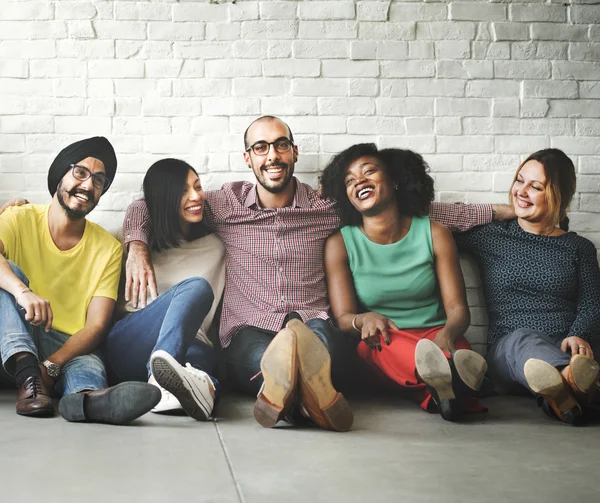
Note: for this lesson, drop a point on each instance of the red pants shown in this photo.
(397, 362)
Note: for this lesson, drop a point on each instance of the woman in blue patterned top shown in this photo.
(542, 288)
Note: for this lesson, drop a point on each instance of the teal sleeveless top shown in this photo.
(397, 280)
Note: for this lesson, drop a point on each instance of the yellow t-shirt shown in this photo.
(67, 279)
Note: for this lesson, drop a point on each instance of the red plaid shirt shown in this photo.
(274, 256)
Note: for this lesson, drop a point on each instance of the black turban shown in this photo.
(97, 147)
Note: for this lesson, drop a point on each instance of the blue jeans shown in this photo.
(250, 343)
(170, 323)
(17, 335)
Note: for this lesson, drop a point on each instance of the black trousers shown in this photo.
(245, 351)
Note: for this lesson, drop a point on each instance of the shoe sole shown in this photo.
(434, 369)
(325, 406)
(279, 367)
(171, 410)
(471, 367)
(173, 377)
(120, 404)
(583, 377)
(548, 382)
(168, 410)
(38, 413)
(167, 406)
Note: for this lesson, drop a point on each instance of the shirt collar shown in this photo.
(301, 199)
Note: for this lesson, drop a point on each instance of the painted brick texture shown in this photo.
(473, 85)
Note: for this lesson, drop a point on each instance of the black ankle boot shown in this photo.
(450, 409)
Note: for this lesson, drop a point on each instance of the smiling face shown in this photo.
(528, 193)
(78, 197)
(274, 170)
(368, 186)
(192, 201)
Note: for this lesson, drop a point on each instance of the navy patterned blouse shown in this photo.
(549, 284)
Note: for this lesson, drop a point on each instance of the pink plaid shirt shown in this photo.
(274, 257)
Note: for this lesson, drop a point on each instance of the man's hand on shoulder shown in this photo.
(503, 212)
(139, 275)
(14, 202)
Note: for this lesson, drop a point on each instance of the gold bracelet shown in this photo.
(354, 324)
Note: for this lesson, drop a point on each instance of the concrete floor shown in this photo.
(394, 453)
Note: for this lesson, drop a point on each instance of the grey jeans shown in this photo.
(506, 358)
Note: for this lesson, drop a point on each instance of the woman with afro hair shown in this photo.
(394, 279)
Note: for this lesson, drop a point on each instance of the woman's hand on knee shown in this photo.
(577, 346)
(371, 326)
(444, 342)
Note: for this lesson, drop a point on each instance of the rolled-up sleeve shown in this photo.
(137, 225)
(460, 217)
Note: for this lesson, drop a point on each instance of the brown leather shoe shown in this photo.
(279, 366)
(33, 399)
(584, 379)
(323, 404)
(549, 383)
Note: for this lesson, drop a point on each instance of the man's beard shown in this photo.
(281, 186)
(71, 213)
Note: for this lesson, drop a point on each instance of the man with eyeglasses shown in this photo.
(59, 276)
(274, 233)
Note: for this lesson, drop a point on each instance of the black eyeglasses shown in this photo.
(281, 146)
(100, 181)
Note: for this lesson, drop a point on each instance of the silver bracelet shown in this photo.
(21, 293)
(354, 324)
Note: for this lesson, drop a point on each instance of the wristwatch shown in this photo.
(52, 368)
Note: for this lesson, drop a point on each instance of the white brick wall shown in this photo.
(474, 85)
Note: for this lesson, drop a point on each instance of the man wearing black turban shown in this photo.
(59, 275)
(97, 147)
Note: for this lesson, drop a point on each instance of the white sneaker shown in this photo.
(168, 403)
(192, 387)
